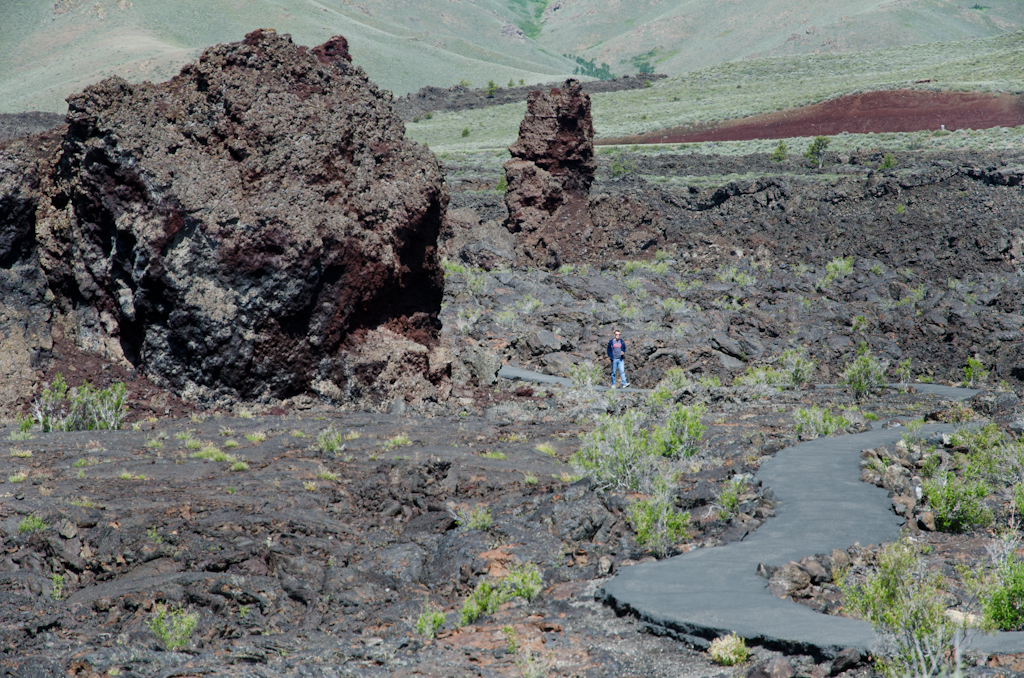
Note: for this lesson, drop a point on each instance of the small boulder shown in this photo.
(777, 667)
(789, 580)
(847, 659)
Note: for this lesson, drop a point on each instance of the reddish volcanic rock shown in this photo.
(242, 228)
(864, 113)
(549, 177)
(550, 173)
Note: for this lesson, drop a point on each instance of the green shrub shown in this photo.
(675, 378)
(465, 132)
(529, 303)
(818, 422)
(617, 454)
(864, 373)
(712, 381)
(660, 395)
(1004, 606)
(547, 448)
(56, 586)
(906, 605)
(506, 317)
(329, 440)
(779, 154)
(838, 268)
(975, 373)
(31, 524)
(903, 374)
(430, 620)
(502, 185)
(682, 432)
(491, 89)
(990, 456)
(956, 503)
(728, 650)
(586, 374)
(80, 409)
(729, 498)
(477, 518)
(734, 275)
(657, 523)
(523, 581)
(174, 627)
(760, 376)
(888, 162)
(797, 366)
(620, 165)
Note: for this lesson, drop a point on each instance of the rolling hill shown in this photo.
(49, 50)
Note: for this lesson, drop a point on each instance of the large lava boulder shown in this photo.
(245, 227)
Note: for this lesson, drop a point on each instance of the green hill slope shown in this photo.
(49, 50)
(752, 87)
(675, 36)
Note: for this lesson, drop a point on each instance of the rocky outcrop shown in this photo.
(550, 173)
(243, 229)
(548, 198)
(25, 310)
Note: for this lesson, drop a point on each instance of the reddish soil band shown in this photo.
(888, 111)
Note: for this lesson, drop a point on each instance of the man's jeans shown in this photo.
(619, 365)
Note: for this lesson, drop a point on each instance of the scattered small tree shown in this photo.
(779, 154)
(816, 151)
(491, 89)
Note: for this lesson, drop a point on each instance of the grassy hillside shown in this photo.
(49, 50)
(755, 86)
(675, 36)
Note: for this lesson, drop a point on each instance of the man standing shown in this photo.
(617, 352)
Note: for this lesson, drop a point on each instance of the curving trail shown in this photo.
(822, 505)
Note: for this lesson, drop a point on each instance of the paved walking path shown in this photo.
(822, 505)
(518, 373)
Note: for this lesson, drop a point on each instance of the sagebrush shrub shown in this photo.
(329, 440)
(174, 627)
(586, 374)
(906, 605)
(682, 432)
(865, 373)
(817, 422)
(657, 523)
(430, 620)
(956, 503)
(798, 367)
(522, 581)
(1005, 604)
(617, 454)
(82, 408)
(728, 650)
(760, 376)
